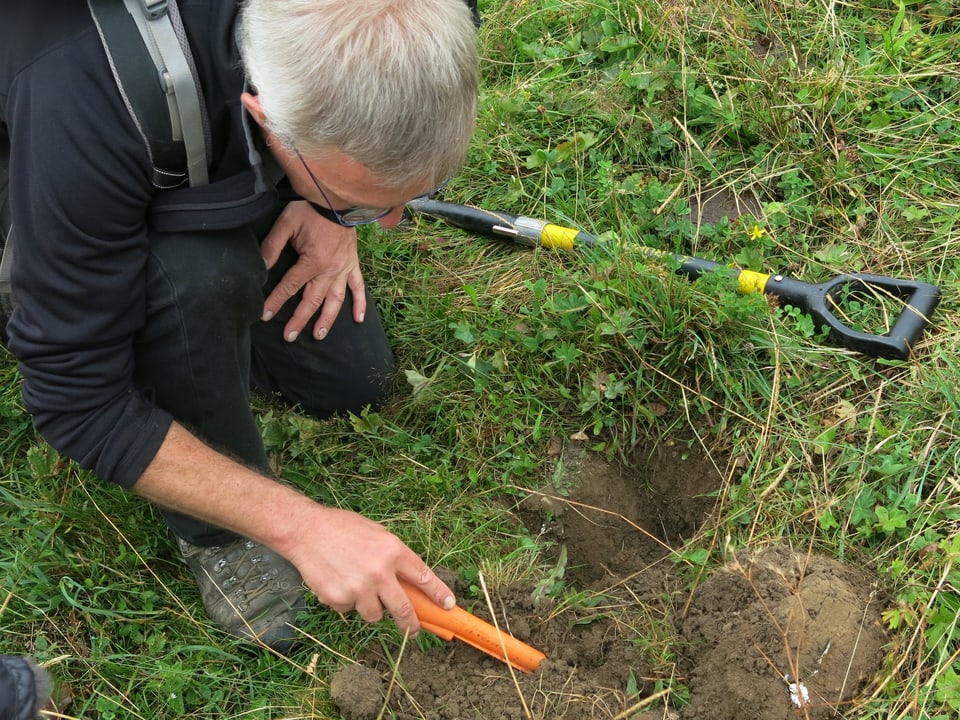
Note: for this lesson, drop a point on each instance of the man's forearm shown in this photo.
(348, 561)
(190, 477)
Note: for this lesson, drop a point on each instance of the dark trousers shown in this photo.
(204, 347)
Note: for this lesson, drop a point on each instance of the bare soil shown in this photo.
(770, 636)
(710, 205)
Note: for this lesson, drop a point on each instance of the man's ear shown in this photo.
(252, 105)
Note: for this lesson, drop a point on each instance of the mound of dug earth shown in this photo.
(780, 635)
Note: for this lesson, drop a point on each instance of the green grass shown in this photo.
(842, 118)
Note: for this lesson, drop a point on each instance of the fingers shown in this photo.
(326, 295)
(370, 608)
(317, 295)
(290, 284)
(433, 587)
(330, 310)
(355, 282)
(273, 244)
(390, 597)
(401, 609)
(433, 590)
(373, 602)
(328, 298)
(275, 240)
(333, 303)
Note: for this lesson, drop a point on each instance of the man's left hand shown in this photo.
(327, 265)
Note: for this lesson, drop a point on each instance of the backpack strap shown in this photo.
(151, 62)
(6, 264)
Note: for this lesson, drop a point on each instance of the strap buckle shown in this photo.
(154, 8)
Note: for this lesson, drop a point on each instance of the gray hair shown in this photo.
(392, 84)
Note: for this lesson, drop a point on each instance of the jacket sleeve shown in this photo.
(79, 192)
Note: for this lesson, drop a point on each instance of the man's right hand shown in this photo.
(352, 563)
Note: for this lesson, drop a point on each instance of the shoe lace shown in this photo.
(242, 575)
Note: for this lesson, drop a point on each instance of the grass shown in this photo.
(841, 118)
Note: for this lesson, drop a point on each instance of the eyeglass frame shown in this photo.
(341, 217)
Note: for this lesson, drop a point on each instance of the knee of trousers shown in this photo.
(211, 278)
(372, 387)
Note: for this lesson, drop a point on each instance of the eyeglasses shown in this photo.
(356, 215)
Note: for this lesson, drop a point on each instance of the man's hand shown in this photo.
(327, 265)
(352, 563)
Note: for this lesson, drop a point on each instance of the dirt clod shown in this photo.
(358, 691)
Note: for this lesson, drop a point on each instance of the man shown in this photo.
(143, 316)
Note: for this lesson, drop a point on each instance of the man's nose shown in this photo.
(392, 218)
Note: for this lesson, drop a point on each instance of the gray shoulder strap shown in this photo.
(162, 35)
(6, 264)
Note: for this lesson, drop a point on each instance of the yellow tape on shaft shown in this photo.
(749, 282)
(555, 236)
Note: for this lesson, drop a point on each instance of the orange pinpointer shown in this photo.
(465, 626)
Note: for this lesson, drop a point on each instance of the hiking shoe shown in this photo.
(248, 590)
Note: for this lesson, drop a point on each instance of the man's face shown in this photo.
(334, 180)
(349, 189)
